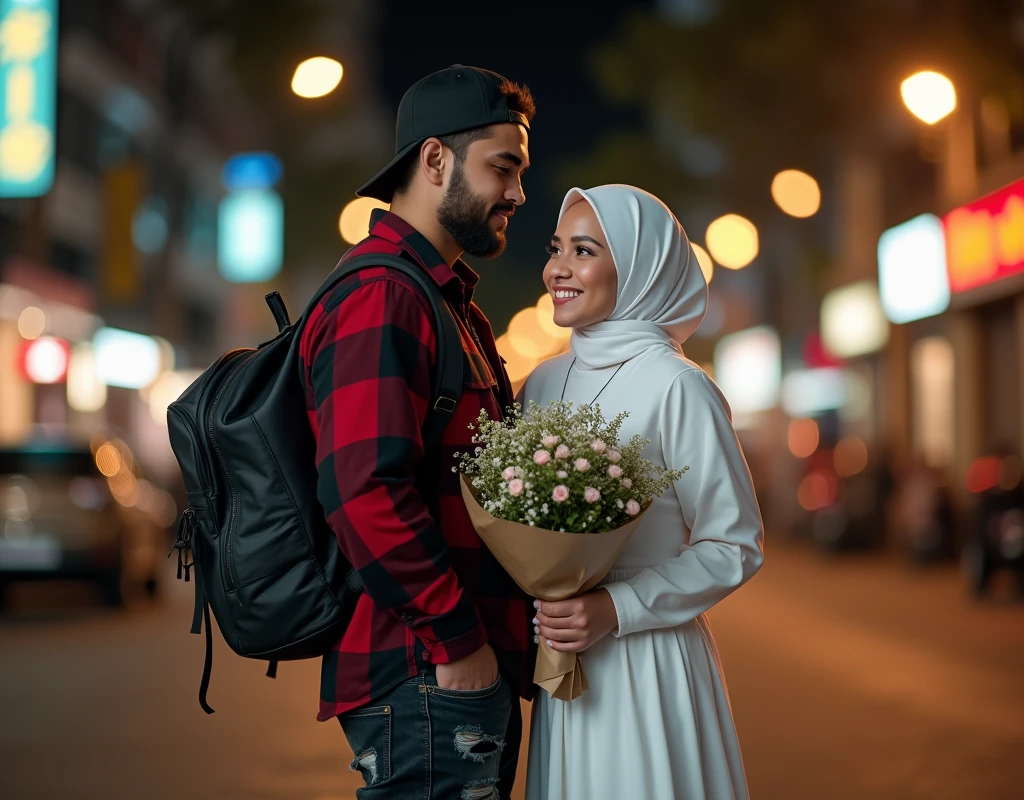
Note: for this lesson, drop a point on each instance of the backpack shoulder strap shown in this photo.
(446, 387)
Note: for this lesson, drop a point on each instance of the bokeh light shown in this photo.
(32, 323)
(817, 490)
(732, 241)
(707, 264)
(517, 365)
(316, 77)
(546, 319)
(354, 222)
(930, 96)
(803, 437)
(796, 193)
(526, 336)
(850, 456)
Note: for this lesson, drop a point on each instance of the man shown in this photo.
(426, 680)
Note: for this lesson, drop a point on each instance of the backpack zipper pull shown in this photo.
(183, 541)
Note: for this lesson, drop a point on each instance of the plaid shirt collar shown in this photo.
(457, 281)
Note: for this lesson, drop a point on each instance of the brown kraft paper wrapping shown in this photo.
(550, 565)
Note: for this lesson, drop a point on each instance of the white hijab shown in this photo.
(662, 294)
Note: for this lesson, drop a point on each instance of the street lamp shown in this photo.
(930, 96)
(316, 77)
(796, 193)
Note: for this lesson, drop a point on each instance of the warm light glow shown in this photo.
(526, 336)
(354, 222)
(46, 360)
(517, 365)
(852, 320)
(933, 385)
(748, 369)
(108, 460)
(930, 96)
(707, 264)
(732, 241)
(546, 318)
(32, 323)
(168, 388)
(86, 392)
(816, 491)
(803, 437)
(850, 456)
(984, 474)
(796, 193)
(316, 77)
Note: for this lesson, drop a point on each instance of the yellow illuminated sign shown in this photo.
(28, 82)
(985, 239)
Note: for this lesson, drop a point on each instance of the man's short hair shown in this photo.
(519, 99)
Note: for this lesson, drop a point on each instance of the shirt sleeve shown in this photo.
(717, 500)
(370, 361)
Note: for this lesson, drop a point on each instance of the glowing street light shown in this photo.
(930, 96)
(796, 193)
(354, 222)
(707, 264)
(316, 77)
(546, 318)
(732, 241)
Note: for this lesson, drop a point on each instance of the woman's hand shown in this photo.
(571, 626)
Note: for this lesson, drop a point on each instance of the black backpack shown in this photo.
(265, 559)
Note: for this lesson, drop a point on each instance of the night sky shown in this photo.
(544, 45)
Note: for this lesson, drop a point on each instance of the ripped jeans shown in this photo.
(421, 742)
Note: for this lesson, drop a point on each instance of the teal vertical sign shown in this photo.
(28, 96)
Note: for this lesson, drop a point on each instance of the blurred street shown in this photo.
(850, 678)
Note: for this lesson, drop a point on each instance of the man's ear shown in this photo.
(433, 160)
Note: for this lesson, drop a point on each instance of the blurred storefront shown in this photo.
(953, 287)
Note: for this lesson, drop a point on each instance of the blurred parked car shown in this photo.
(83, 511)
(997, 540)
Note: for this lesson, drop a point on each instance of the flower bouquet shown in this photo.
(555, 498)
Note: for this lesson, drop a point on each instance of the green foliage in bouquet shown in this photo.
(562, 468)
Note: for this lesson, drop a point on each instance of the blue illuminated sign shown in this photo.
(250, 237)
(28, 96)
(251, 171)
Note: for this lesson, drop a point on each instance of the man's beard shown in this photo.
(467, 218)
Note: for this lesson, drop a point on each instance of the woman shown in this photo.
(656, 723)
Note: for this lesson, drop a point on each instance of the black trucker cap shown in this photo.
(455, 99)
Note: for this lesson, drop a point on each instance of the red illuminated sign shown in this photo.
(985, 239)
(44, 360)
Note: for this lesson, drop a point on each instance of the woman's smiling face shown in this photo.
(580, 273)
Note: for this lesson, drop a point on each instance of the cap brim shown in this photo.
(382, 185)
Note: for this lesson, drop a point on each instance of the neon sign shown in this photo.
(985, 239)
(28, 96)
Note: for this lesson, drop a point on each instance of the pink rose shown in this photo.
(632, 508)
(542, 457)
(614, 471)
(591, 495)
(627, 483)
(615, 456)
(549, 441)
(562, 451)
(598, 446)
(561, 494)
(515, 487)
(582, 465)
(509, 473)
(562, 474)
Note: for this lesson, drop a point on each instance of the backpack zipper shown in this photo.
(243, 358)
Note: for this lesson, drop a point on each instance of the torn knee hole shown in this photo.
(366, 763)
(474, 744)
(480, 790)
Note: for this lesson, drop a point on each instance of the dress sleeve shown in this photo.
(718, 505)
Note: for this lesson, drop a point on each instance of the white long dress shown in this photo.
(656, 723)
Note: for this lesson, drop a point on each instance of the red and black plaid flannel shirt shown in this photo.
(434, 593)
